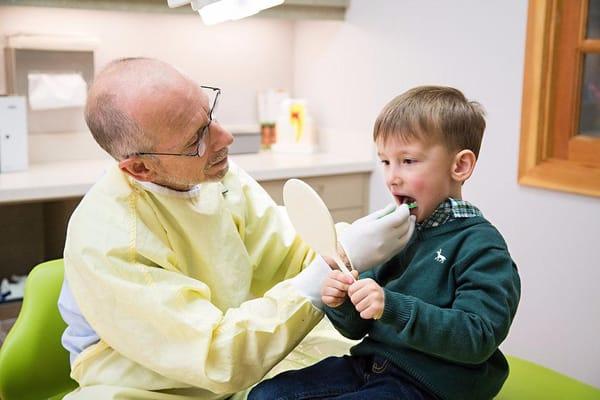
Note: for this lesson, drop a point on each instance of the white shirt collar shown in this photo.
(163, 190)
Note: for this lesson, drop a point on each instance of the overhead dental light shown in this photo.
(216, 11)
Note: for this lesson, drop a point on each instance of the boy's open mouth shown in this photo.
(404, 199)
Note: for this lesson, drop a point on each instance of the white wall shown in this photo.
(241, 57)
(350, 70)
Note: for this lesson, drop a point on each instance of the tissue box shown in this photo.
(13, 134)
(27, 57)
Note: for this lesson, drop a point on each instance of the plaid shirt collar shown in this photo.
(449, 210)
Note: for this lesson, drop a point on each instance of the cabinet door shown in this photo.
(275, 189)
(21, 238)
(341, 191)
(346, 195)
(347, 214)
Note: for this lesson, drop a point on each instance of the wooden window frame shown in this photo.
(551, 155)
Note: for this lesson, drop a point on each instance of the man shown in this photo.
(176, 265)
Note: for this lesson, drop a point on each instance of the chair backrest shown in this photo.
(33, 363)
(531, 381)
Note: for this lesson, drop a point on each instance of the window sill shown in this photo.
(562, 175)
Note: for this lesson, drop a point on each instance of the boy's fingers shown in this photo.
(331, 301)
(340, 276)
(358, 296)
(362, 305)
(358, 285)
(334, 283)
(367, 314)
(343, 277)
(333, 292)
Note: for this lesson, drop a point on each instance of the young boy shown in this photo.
(431, 318)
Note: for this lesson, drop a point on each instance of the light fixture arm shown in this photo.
(216, 11)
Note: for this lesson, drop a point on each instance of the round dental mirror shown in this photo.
(311, 219)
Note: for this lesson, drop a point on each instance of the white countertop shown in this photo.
(58, 180)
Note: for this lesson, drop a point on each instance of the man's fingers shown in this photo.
(404, 226)
(383, 212)
(405, 235)
(397, 218)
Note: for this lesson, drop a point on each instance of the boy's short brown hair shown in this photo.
(434, 114)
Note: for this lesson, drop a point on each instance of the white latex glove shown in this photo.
(374, 239)
(310, 280)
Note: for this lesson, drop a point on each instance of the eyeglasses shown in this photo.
(202, 133)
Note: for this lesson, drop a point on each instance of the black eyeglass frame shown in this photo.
(201, 136)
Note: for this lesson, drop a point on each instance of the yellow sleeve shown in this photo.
(275, 249)
(164, 320)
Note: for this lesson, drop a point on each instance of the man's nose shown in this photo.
(221, 137)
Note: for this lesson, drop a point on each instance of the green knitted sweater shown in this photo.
(450, 297)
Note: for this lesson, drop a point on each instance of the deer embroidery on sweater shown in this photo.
(440, 258)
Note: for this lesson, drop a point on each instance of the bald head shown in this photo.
(129, 101)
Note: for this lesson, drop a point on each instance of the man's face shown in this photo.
(416, 171)
(177, 119)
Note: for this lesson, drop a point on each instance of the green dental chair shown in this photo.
(529, 381)
(35, 366)
(33, 363)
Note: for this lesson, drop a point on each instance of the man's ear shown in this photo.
(140, 169)
(463, 165)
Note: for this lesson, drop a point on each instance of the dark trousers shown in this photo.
(341, 378)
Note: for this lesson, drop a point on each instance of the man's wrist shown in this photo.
(310, 280)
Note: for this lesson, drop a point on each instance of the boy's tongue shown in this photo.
(405, 199)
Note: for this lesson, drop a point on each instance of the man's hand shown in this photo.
(368, 298)
(335, 288)
(374, 239)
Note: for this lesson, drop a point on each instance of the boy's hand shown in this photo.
(335, 288)
(368, 298)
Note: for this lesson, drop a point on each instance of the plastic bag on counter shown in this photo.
(13, 288)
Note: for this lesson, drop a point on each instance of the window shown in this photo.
(560, 120)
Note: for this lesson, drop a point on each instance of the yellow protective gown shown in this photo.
(182, 289)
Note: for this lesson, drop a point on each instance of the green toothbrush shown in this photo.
(409, 205)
